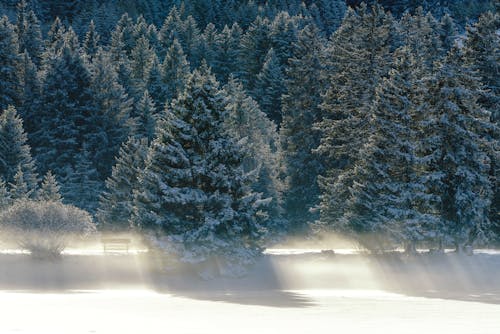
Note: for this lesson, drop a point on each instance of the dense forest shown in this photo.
(218, 127)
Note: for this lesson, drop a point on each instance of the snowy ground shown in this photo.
(287, 292)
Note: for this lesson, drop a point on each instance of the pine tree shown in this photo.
(31, 93)
(5, 199)
(257, 135)
(19, 188)
(301, 110)
(255, 44)
(388, 195)
(80, 185)
(62, 120)
(15, 156)
(50, 190)
(269, 87)
(10, 60)
(146, 117)
(108, 123)
(29, 32)
(116, 201)
(457, 133)
(91, 41)
(482, 55)
(421, 34)
(227, 52)
(142, 58)
(357, 58)
(175, 72)
(193, 189)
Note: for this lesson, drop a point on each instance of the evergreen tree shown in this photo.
(80, 185)
(227, 52)
(459, 164)
(5, 199)
(19, 188)
(357, 59)
(50, 190)
(269, 87)
(482, 55)
(142, 59)
(30, 96)
(255, 44)
(62, 120)
(193, 189)
(116, 201)
(301, 110)
(421, 34)
(91, 41)
(108, 123)
(388, 195)
(257, 135)
(10, 83)
(29, 32)
(15, 156)
(175, 72)
(146, 117)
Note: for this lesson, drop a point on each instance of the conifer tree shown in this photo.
(175, 72)
(116, 201)
(255, 44)
(108, 123)
(269, 87)
(419, 31)
(91, 41)
(29, 32)
(298, 138)
(15, 156)
(5, 199)
(10, 60)
(66, 104)
(457, 136)
(482, 55)
(356, 60)
(49, 190)
(31, 94)
(81, 185)
(227, 52)
(146, 117)
(142, 58)
(388, 196)
(257, 135)
(19, 188)
(193, 189)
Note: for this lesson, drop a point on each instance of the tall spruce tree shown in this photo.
(388, 196)
(482, 55)
(193, 189)
(63, 120)
(29, 32)
(15, 158)
(49, 190)
(457, 135)
(10, 61)
(357, 58)
(258, 137)
(269, 87)
(301, 110)
(117, 200)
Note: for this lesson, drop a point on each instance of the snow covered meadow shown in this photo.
(290, 291)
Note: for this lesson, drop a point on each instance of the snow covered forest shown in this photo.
(215, 128)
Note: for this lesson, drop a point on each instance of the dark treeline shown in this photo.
(218, 133)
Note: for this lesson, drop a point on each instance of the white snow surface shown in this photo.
(292, 292)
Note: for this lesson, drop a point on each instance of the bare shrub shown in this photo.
(44, 228)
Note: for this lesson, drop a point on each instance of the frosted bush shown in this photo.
(44, 228)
